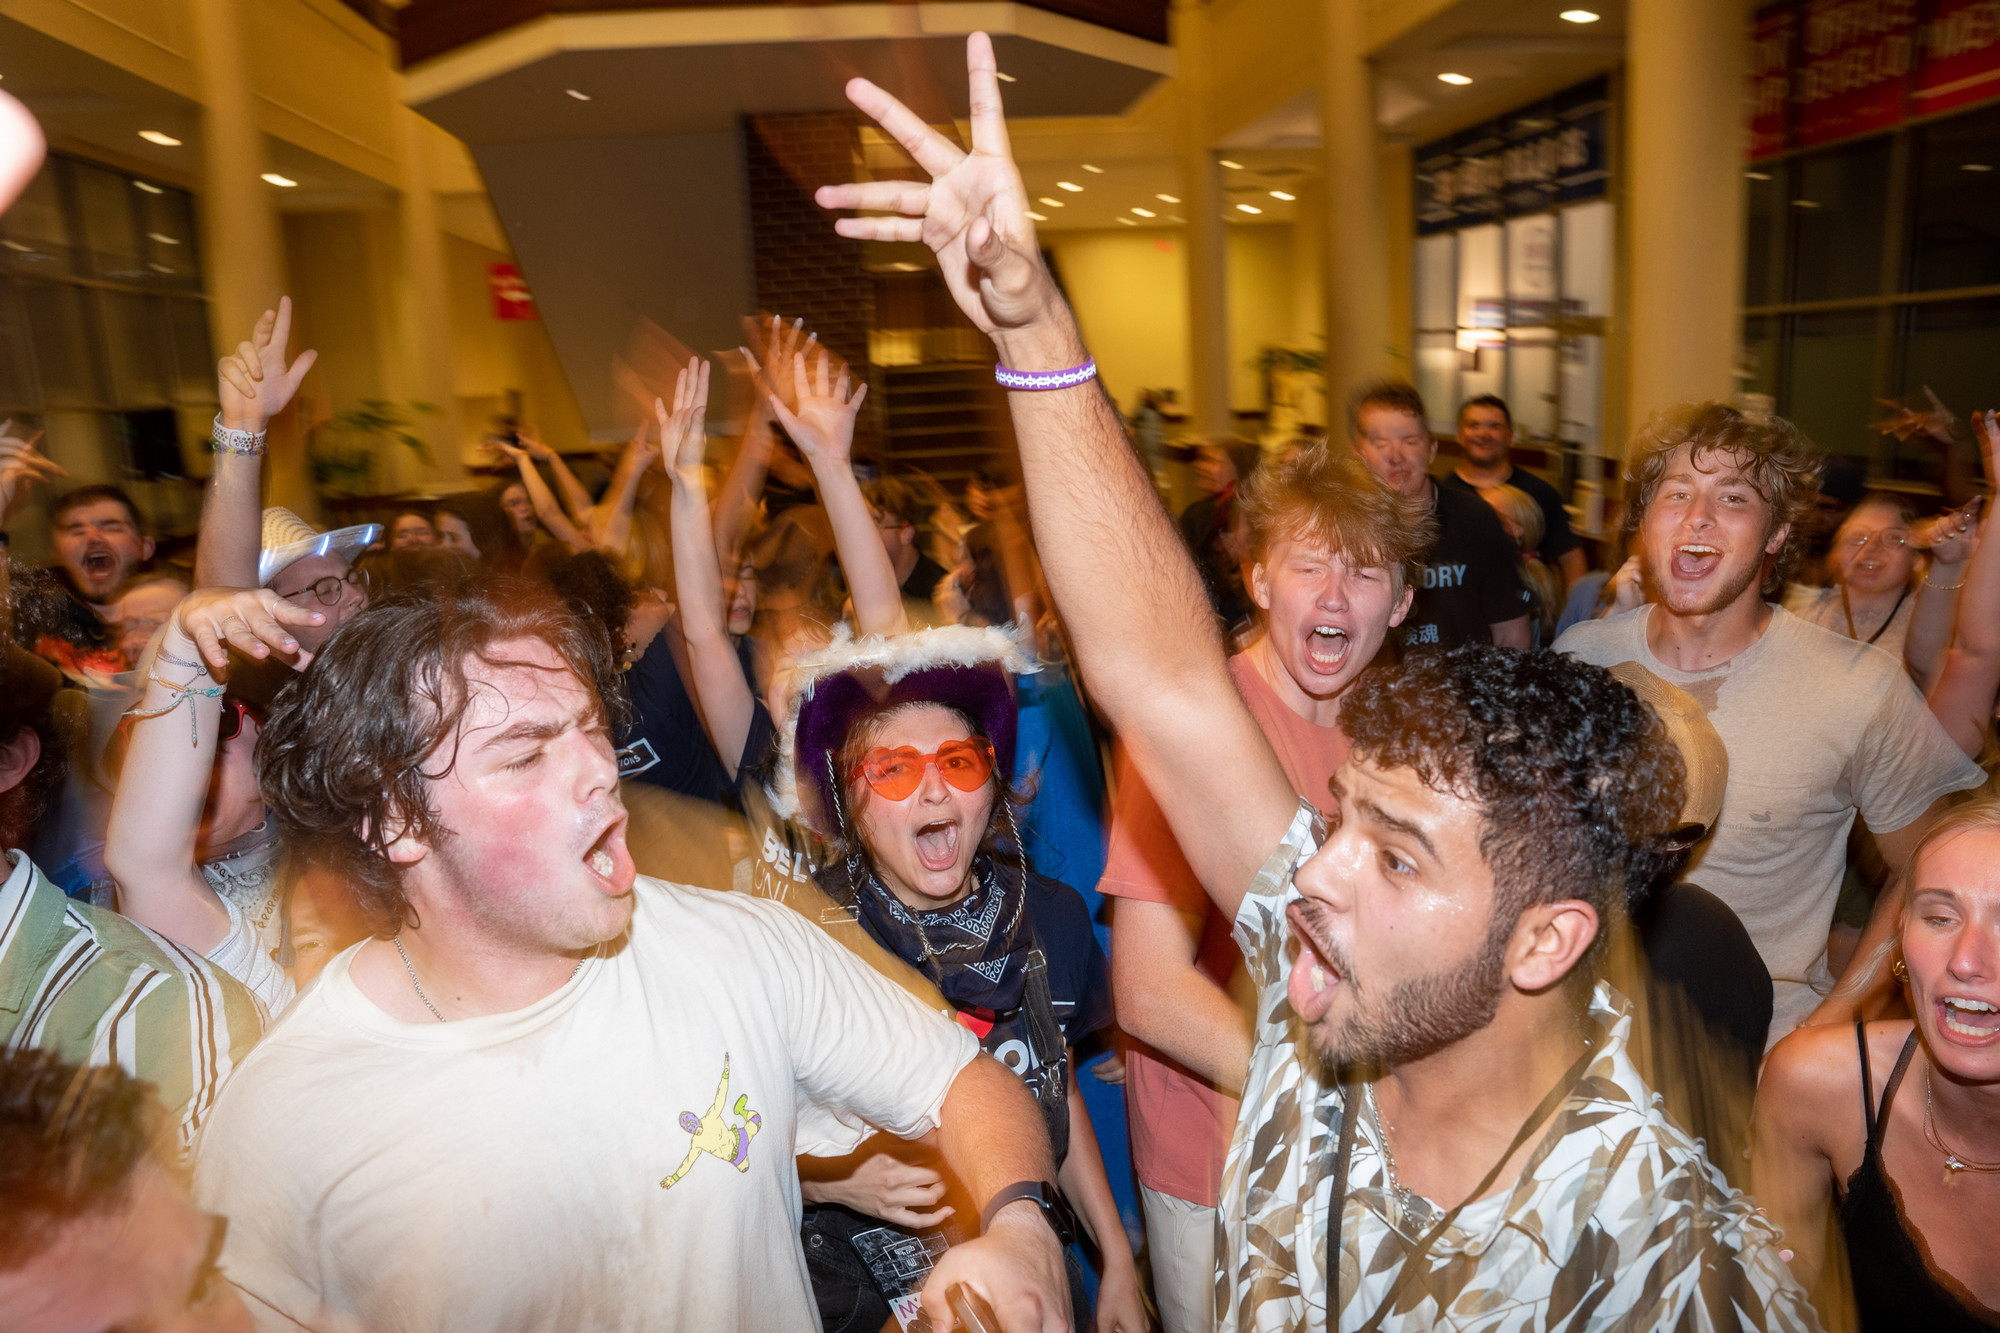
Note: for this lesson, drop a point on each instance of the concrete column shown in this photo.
(1358, 336)
(1207, 234)
(243, 257)
(1684, 171)
(423, 314)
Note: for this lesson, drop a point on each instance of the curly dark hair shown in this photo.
(352, 746)
(1578, 779)
(589, 582)
(1779, 462)
(70, 1138)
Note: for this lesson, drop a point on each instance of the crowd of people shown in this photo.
(687, 901)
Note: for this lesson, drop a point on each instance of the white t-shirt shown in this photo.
(243, 955)
(618, 1155)
(1817, 727)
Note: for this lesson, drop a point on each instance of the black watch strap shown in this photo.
(1047, 1196)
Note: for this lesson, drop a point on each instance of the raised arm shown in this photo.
(575, 499)
(716, 677)
(149, 849)
(21, 466)
(1962, 699)
(823, 428)
(1949, 538)
(611, 521)
(253, 385)
(547, 511)
(1145, 639)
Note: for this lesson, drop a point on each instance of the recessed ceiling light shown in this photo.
(1166, 199)
(163, 238)
(1246, 208)
(1757, 175)
(1145, 212)
(1280, 194)
(163, 140)
(1095, 171)
(1128, 222)
(1233, 166)
(274, 178)
(1004, 78)
(18, 248)
(1577, 16)
(159, 268)
(1071, 186)
(1804, 203)
(1175, 218)
(1455, 80)
(1977, 166)
(1052, 203)
(149, 189)
(579, 96)
(1037, 216)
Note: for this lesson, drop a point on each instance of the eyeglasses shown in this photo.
(896, 774)
(234, 713)
(1892, 539)
(327, 591)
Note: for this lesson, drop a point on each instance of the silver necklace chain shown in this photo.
(1412, 1204)
(397, 940)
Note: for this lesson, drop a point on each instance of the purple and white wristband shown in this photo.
(1045, 379)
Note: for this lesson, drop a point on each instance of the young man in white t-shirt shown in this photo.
(1818, 727)
(548, 1093)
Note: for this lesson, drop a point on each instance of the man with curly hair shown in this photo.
(1441, 1125)
(1819, 728)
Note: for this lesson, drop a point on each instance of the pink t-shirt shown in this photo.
(1180, 1123)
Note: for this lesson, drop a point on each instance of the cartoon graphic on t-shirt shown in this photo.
(714, 1135)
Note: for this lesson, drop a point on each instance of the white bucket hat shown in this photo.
(287, 538)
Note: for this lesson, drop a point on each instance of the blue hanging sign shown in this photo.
(1550, 152)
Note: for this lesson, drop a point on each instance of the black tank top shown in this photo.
(1893, 1287)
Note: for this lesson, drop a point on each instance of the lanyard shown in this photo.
(1337, 1205)
(1848, 611)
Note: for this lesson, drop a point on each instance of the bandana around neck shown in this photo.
(976, 950)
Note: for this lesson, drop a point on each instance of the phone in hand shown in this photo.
(974, 1315)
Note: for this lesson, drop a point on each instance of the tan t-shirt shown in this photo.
(1817, 727)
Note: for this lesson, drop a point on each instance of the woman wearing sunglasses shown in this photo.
(896, 756)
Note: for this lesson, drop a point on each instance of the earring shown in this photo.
(1900, 972)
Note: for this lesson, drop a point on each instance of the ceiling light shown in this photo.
(1128, 222)
(581, 97)
(1233, 166)
(1757, 175)
(1071, 186)
(1246, 208)
(1052, 203)
(149, 189)
(1280, 194)
(274, 178)
(1004, 78)
(1977, 166)
(163, 238)
(1577, 16)
(163, 140)
(159, 268)
(1804, 203)
(1037, 216)
(1095, 171)
(18, 248)
(1145, 212)
(1173, 218)
(1455, 80)
(1166, 199)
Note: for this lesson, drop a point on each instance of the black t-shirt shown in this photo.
(666, 744)
(1468, 582)
(1558, 538)
(924, 578)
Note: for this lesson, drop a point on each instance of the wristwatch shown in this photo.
(1056, 1212)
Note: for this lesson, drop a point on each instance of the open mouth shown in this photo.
(1326, 648)
(98, 562)
(1974, 1020)
(1311, 985)
(937, 844)
(609, 860)
(1695, 560)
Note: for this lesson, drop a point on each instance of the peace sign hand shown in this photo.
(253, 382)
(973, 214)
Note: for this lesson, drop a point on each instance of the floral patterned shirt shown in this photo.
(1618, 1221)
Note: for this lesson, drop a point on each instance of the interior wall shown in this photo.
(492, 356)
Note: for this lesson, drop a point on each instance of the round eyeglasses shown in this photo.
(327, 591)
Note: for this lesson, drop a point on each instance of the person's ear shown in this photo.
(146, 548)
(18, 758)
(1776, 542)
(1548, 941)
(1403, 603)
(1260, 586)
(399, 843)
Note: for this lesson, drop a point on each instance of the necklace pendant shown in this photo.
(1952, 1164)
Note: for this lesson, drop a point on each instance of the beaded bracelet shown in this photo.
(1045, 379)
(248, 443)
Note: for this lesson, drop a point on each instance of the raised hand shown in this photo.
(973, 214)
(534, 445)
(1950, 536)
(683, 430)
(775, 344)
(251, 620)
(823, 425)
(253, 382)
(21, 466)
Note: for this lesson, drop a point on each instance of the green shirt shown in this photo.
(95, 988)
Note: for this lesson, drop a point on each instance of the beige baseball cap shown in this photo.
(1698, 741)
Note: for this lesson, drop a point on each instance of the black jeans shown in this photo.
(845, 1291)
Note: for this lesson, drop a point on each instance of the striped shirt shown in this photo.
(95, 988)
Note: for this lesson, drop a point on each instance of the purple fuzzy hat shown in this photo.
(959, 666)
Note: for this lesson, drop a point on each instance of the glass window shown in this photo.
(194, 360)
(136, 348)
(1956, 233)
(1586, 259)
(1839, 209)
(1953, 346)
(62, 343)
(1437, 378)
(1760, 355)
(1480, 290)
(1583, 392)
(17, 378)
(172, 254)
(1763, 284)
(37, 237)
(1830, 384)
(110, 224)
(1531, 269)
(1532, 368)
(1437, 282)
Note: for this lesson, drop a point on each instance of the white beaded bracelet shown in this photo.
(249, 443)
